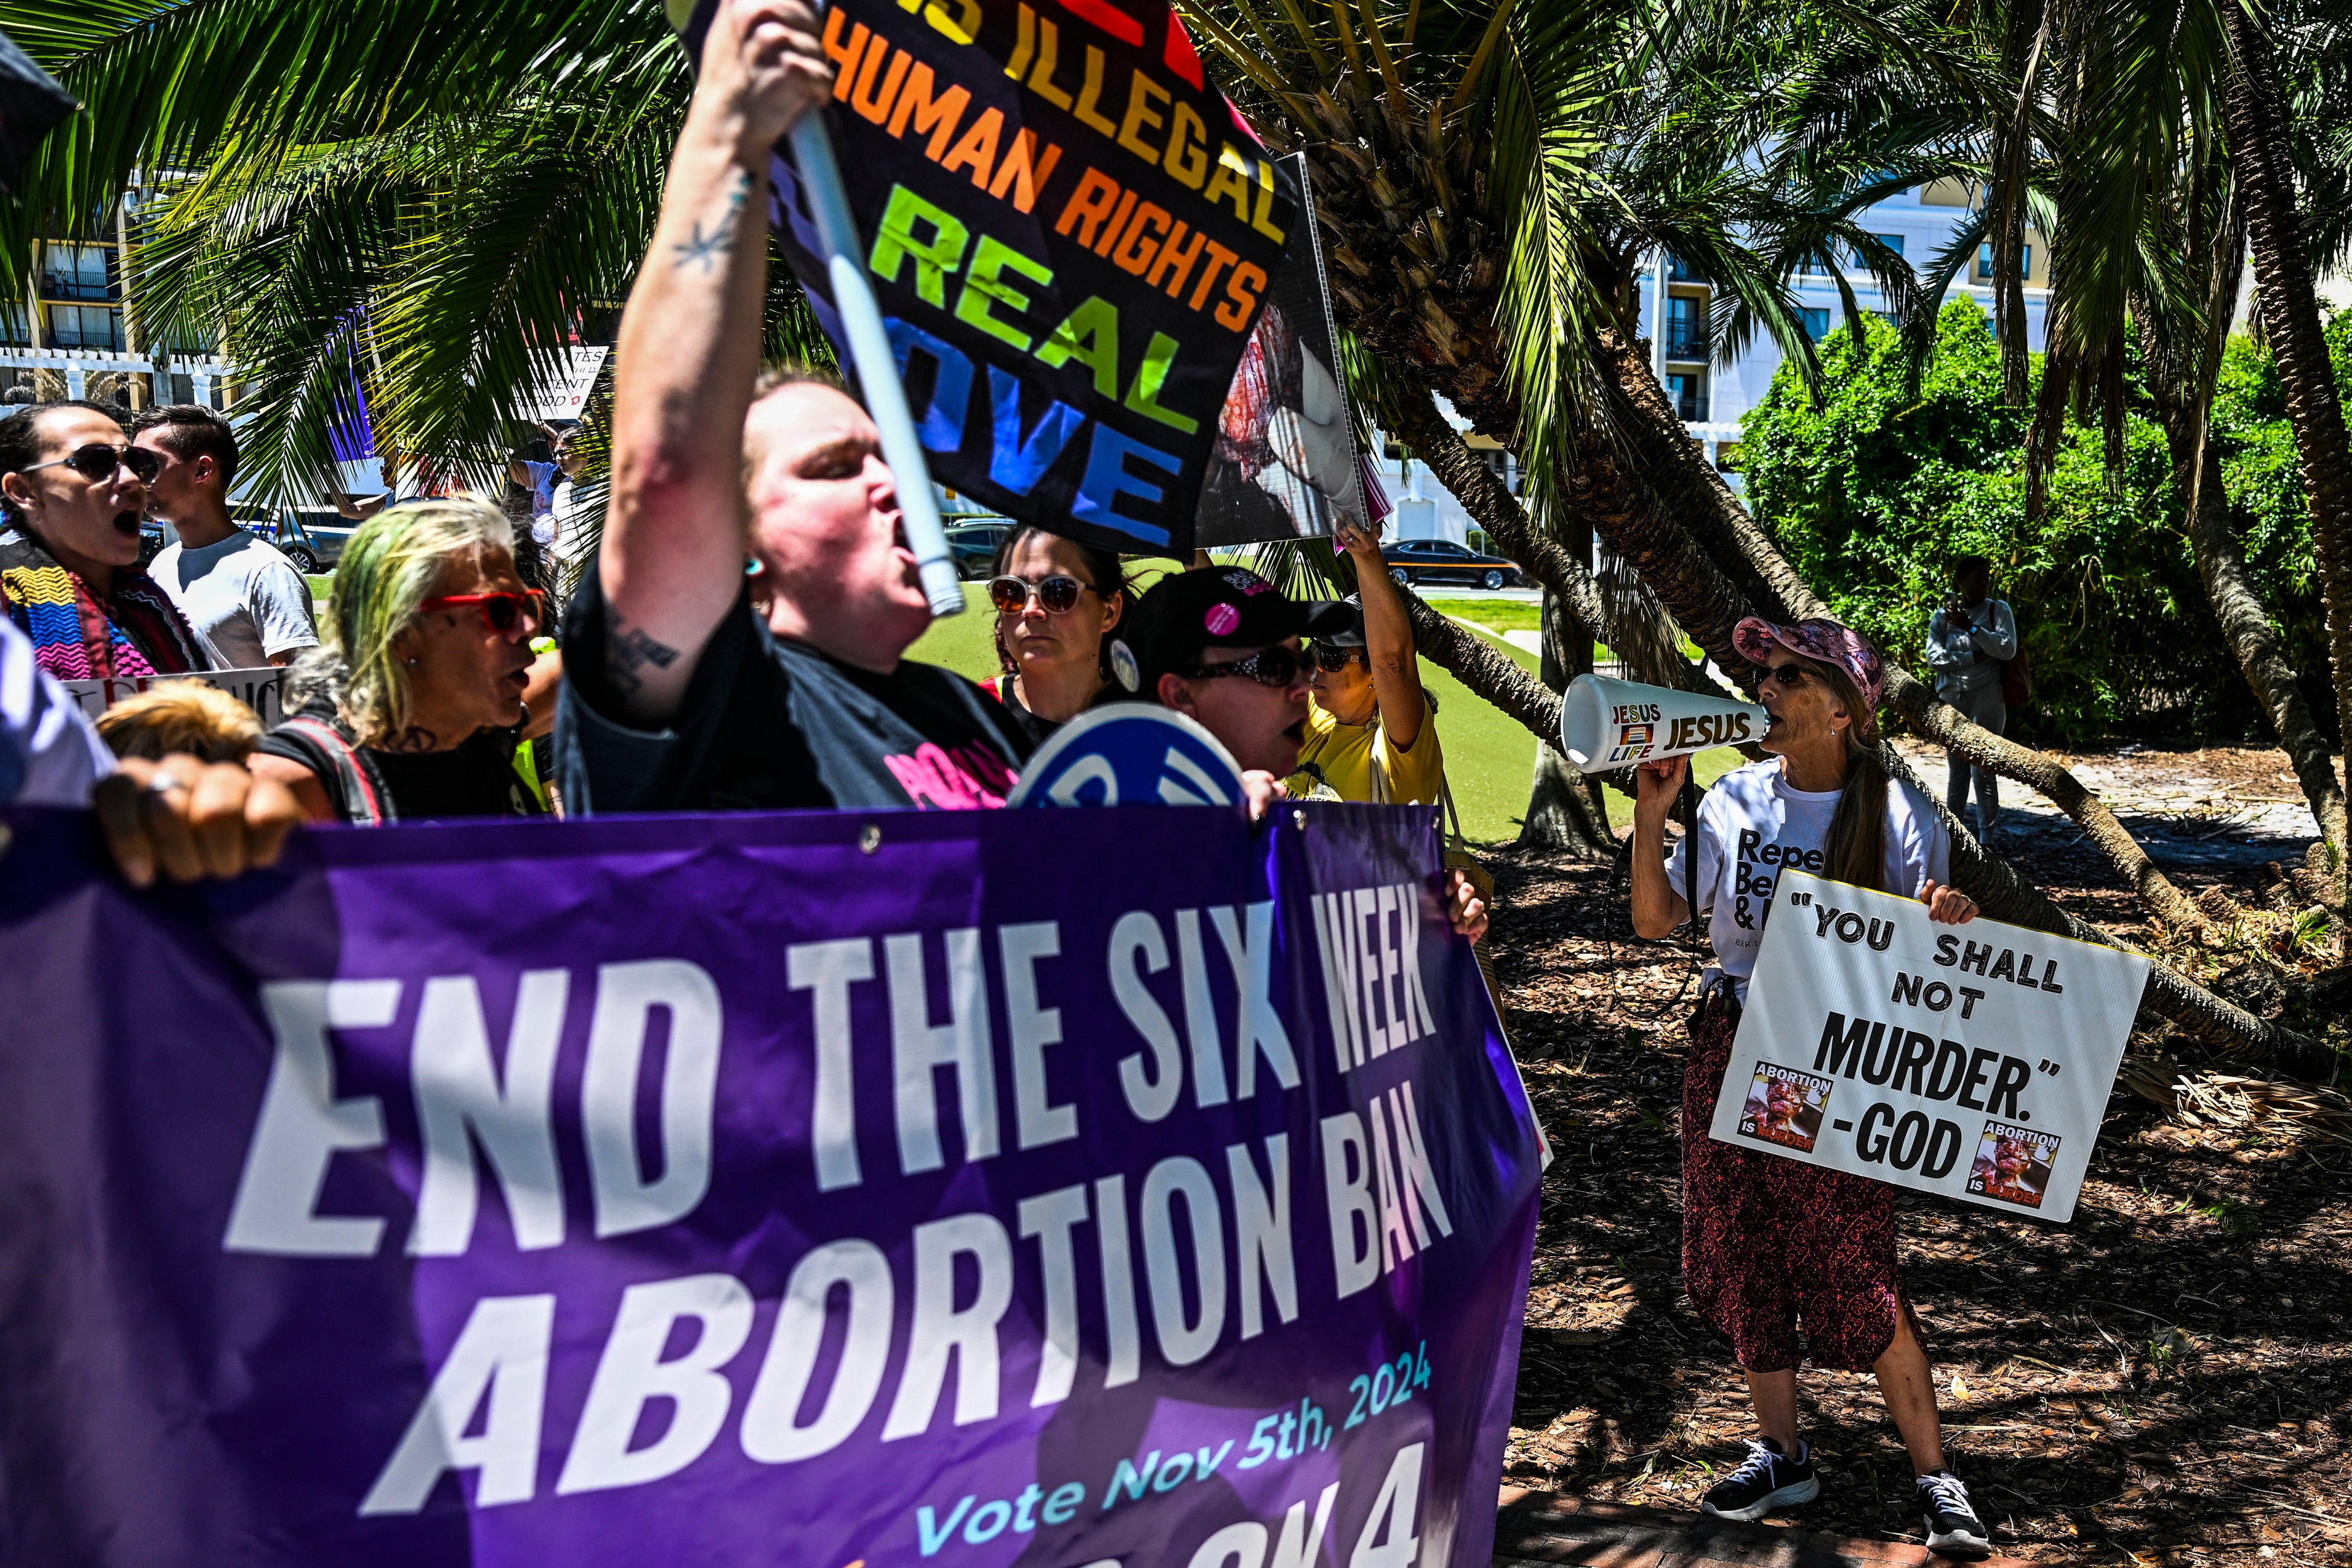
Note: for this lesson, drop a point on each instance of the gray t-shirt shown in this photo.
(242, 597)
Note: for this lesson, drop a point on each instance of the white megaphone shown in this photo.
(1606, 724)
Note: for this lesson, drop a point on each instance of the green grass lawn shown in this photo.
(1489, 757)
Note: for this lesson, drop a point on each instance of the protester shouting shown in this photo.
(177, 816)
(1220, 645)
(1768, 1244)
(417, 705)
(675, 696)
(1371, 730)
(248, 605)
(73, 494)
(1058, 604)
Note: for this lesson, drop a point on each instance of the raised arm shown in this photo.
(1388, 639)
(672, 563)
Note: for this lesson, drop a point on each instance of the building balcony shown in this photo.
(1690, 407)
(1686, 341)
(95, 290)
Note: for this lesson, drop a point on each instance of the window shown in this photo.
(1817, 323)
(2024, 262)
(78, 272)
(84, 327)
(1689, 393)
(1686, 332)
(1681, 271)
(1893, 242)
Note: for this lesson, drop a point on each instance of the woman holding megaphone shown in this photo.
(1772, 1244)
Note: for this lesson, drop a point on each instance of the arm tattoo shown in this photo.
(713, 251)
(627, 652)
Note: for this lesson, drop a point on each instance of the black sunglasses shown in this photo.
(1331, 659)
(1276, 665)
(1788, 675)
(97, 461)
(1058, 594)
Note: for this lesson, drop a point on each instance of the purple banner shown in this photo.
(1043, 1187)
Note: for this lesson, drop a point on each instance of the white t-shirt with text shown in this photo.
(1751, 824)
(242, 595)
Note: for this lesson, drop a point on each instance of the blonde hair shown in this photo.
(182, 716)
(388, 569)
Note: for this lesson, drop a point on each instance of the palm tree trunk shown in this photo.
(2003, 895)
(2256, 119)
(2245, 619)
(1565, 810)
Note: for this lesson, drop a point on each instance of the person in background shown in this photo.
(359, 508)
(1371, 730)
(1058, 605)
(182, 716)
(544, 480)
(1969, 640)
(1220, 645)
(248, 604)
(678, 697)
(178, 816)
(73, 494)
(417, 705)
(1772, 1244)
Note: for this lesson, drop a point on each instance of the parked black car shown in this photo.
(1442, 561)
(973, 545)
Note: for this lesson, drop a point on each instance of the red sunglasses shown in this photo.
(499, 611)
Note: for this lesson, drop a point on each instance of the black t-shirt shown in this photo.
(477, 778)
(769, 724)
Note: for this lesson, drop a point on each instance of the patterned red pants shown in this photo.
(1769, 1243)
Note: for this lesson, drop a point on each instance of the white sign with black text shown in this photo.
(259, 689)
(1972, 1060)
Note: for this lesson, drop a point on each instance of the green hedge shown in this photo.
(1872, 493)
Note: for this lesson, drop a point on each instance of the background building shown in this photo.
(69, 337)
(1711, 395)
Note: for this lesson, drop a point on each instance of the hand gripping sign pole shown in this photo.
(877, 367)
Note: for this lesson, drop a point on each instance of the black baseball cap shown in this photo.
(1352, 634)
(1218, 606)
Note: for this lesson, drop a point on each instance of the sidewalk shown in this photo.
(1543, 1528)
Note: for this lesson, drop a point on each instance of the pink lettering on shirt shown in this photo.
(969, 778)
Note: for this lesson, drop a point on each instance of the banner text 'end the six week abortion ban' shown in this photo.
(484, 1194)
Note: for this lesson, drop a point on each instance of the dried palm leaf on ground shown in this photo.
(2230, 1100)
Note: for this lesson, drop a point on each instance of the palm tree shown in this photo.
(2261, 151)
(1486, 289)
(430, 231)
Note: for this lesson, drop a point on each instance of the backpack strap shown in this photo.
(365, 802)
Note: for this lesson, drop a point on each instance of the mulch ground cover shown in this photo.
(2165, 1380)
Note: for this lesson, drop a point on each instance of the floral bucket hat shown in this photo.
(1825, 641)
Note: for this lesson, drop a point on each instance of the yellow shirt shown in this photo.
(1361, 762)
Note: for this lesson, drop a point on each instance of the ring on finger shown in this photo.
(165, 783)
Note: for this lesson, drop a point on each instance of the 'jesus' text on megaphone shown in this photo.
(1606, 724)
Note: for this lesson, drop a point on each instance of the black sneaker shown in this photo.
(1765, 1481)
(1953, 1527)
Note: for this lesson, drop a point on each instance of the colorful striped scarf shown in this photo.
(77, 635)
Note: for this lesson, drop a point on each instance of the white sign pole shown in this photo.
(877, 367)
(1972, 1060)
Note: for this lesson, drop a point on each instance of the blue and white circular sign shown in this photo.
(1130, 753)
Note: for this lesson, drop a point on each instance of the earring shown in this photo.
(412, 661)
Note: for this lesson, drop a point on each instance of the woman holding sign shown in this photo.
(1770, 1243)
